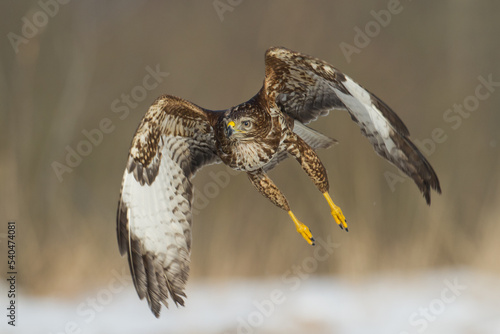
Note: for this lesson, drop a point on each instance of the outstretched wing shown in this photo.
(306, 88)
(173, 140)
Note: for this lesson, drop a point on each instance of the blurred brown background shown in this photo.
(70, 68)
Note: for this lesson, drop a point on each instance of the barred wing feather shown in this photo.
(306, 88)
(154, 216)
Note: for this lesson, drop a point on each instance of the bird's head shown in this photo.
(245, 122)
(239, 128)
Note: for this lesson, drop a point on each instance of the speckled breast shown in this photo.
(248, 156)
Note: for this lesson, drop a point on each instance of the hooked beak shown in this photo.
(230, 129)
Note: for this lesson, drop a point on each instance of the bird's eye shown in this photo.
(247, 124)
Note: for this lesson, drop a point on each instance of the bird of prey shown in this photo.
(176, 138)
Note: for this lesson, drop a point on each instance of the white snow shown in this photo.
(445, 301)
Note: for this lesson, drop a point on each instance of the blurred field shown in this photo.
(378, 304)
(64, 80)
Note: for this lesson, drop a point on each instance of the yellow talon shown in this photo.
(336, 212)
(302, 229)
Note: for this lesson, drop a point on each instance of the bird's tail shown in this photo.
(312, 137)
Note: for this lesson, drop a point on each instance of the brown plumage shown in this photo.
(176, 138)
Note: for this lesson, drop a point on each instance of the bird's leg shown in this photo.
(267, 188)
(311, 164)
(336, 212)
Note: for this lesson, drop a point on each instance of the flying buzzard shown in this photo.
(176, 138)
